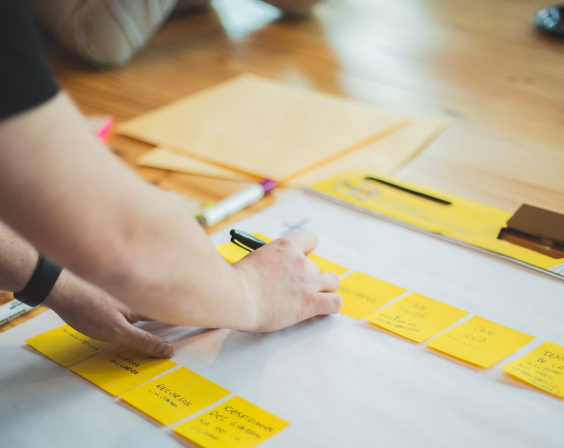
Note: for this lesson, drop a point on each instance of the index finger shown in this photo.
(306, 240)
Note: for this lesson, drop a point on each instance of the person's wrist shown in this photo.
(57, 294)
(248, 296)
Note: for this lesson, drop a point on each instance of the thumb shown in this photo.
(144, 341)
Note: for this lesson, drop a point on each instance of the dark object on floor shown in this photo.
(550, 21)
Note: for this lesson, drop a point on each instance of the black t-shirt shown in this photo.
(26, 79)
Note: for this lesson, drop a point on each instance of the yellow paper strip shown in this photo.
(66, 346)
(416, 317)
(121, 369)
(464, 221)
(175, 396)
(326, 265)
(542, 368)
(362, 294)
(480, 341)
(235, 423)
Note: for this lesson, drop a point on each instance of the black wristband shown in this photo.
(40, 284)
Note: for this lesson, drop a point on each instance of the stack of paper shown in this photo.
(251, 128)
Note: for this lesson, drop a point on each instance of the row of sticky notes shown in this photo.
(233, 253)
(168, 398)
(418, 318)
(476, 340)
(182, 393)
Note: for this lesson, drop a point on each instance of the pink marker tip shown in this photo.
(105, 128)
(268, 185)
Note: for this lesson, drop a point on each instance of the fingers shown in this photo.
(143, 341)
(327, 303)
(330, 282)
(306, 240)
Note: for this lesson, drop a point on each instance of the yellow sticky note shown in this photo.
(66, 346)
(480, 341)
(362, 294)
(542, 368)
(326, 265)
(174, 396)
(235, 423)
(233, 253)
(416, 317)
(121, 369)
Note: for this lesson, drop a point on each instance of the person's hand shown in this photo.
(96, 314)
(284, 286)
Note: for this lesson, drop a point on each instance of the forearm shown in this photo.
(18, 260)
(76, 203)
(171, 272)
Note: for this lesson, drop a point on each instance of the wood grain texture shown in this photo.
(479, 63)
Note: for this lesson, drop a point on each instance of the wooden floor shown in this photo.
(478, 62)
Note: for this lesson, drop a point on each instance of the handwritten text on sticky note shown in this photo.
(362, 294)
(121, 369)
(175, 395)
(480, 341)
(416, 317)
(543, 368)
(66, 346)
(235, 423)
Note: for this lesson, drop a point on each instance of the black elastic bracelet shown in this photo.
(40, 284)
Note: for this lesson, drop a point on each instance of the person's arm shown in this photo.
(76, 203)
(84, 307)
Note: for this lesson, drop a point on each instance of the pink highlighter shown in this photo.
(101, 126)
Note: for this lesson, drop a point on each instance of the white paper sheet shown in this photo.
(340, 382)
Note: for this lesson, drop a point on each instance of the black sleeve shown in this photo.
(26, 79)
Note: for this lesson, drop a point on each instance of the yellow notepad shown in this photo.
(287, 130)
(542, 368)
(66, 346)
(416, 317)
(362, 294)
(175, 395)
(235, 423)
(121, 369)
(326, 265)
(480, 341)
